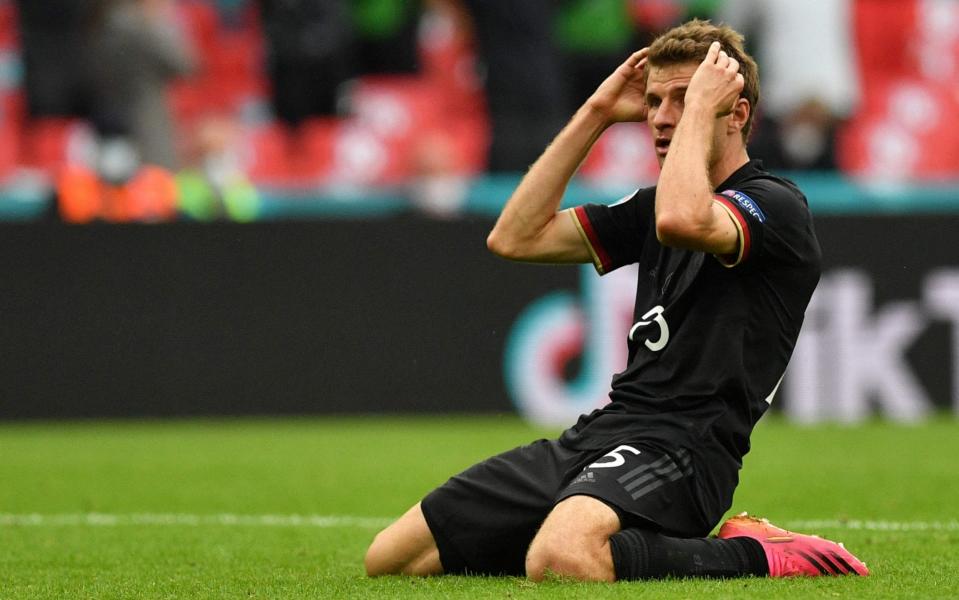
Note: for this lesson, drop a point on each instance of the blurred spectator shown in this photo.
(526, 88)
(810, 83)
(701, 9)
(309, 55)
(656, 16)
(53, 47)
(595, 36)
(135, 51)
(386, 35)
(214, 184)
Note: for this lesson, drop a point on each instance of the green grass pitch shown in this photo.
(285, 508)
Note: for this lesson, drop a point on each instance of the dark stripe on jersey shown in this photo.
(584, 222)
(747, 240)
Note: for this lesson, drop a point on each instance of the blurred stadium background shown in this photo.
(241, 207)
(277, 209)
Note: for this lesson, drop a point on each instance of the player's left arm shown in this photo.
(687, 213)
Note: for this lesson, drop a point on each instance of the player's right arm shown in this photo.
(530, 228)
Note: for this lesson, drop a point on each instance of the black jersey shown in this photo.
(712, 335)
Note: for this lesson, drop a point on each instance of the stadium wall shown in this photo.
(404, 314)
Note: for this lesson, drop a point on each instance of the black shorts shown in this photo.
(484, 519)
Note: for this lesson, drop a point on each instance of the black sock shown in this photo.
(640, 554)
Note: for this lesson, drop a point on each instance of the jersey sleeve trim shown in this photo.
(601, 259)
(735, 258)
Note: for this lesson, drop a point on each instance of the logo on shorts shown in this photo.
(586, 477)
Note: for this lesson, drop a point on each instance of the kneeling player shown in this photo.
(728, 260)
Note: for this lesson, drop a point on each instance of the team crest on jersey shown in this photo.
(747, 203)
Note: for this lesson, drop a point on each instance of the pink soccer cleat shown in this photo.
(794, 554)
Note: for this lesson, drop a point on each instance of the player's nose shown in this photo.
(665, 116)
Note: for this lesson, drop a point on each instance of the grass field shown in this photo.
(285, 508)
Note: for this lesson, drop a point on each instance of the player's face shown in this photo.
(665, 99)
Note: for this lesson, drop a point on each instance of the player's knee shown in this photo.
(543, 561)
(404, 548)
(379, 560)
(393, 555)
(581, 562)
(386, 556)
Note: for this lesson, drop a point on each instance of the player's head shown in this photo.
(675, 55)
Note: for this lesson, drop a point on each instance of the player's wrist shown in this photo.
(698, 109)
(596, 112)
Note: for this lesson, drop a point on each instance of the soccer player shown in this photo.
(727, 263)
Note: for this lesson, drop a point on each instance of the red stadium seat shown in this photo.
(470, 139)
(52, 143)
(906, 129)
(314, 148)
(9, 35)
(234, 70)
(907, 125)
(390, 113)
(266, 155)
(885, 33)
(200, 21)
(11, 118)
(230, 64)
(361, 156)
(188, 100)
(9, 148)
(394, 107)
(448, 66)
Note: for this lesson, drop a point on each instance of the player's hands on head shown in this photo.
(717, 82)
(622, 96)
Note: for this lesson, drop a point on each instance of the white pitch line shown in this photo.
(112, 520)
(856, 524)
(348, 521)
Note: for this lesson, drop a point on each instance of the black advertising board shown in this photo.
(405, 314)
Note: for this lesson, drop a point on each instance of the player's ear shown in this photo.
(739, 116)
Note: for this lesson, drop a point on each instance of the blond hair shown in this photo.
(690, 42)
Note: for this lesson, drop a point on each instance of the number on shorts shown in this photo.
(616, 456)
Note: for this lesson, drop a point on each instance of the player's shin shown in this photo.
(641, 554)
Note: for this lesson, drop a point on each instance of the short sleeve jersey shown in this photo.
(712, 334)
